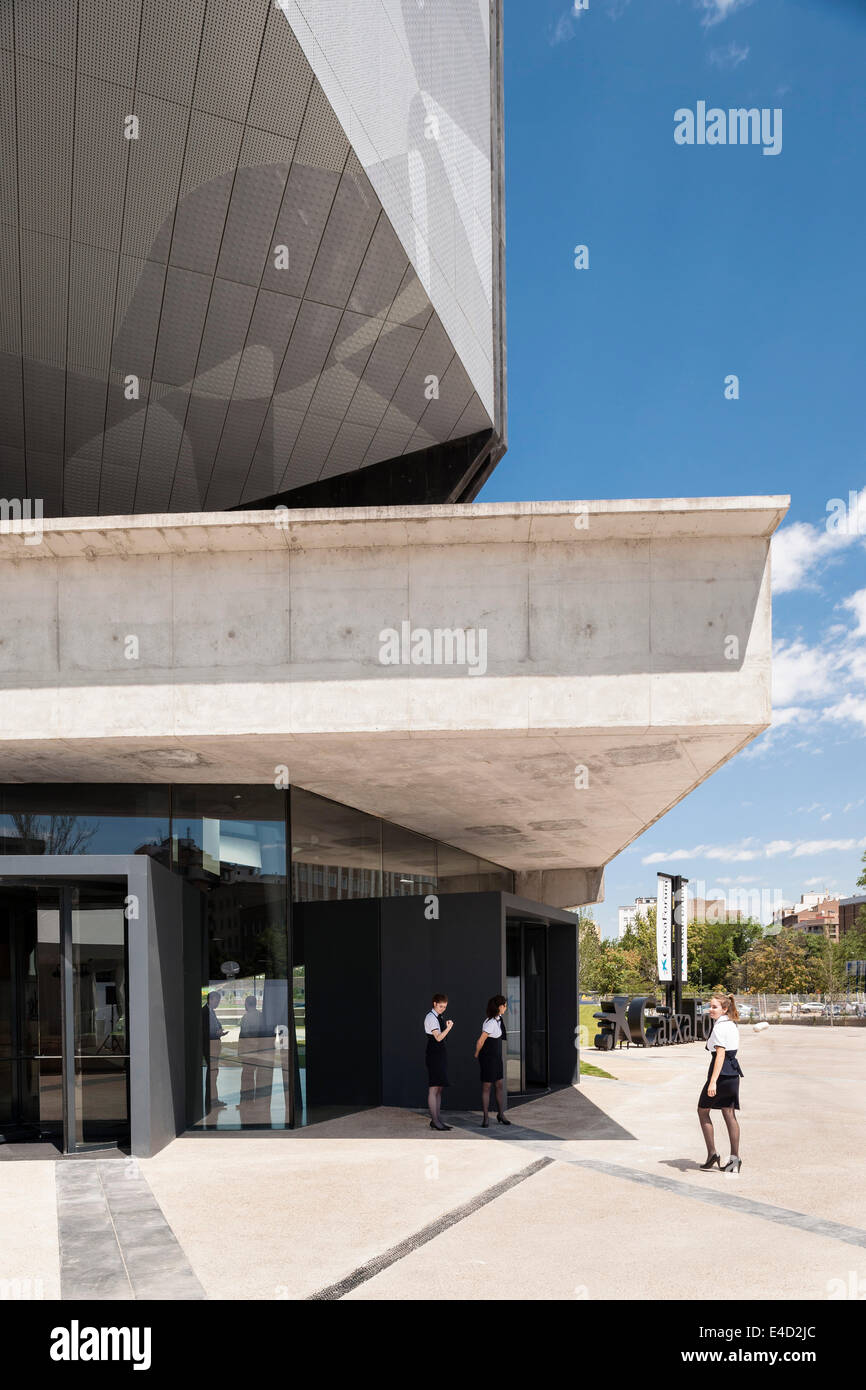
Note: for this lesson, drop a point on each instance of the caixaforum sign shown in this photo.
(664, 926)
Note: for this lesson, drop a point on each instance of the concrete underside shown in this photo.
(627, 656)
(327, 1200)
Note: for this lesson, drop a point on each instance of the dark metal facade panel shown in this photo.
(12, 464)
(45, 122)
(139, 296)
(268, 337)
(44, 278)
(442, 414)
(91, 306)
(101, 152)
(108, 39)
(345, 242)
(184, 309)
(307, 353)
(11, 410)
(168, 50)
(411, 305)
(159, 259)
(260, 181)
(229, 55)
(81, 485)
(10, 292)
(212, 149)
(283, 81)
(306, 206)
(153, 177)
(163, 440)
(381, 273)
(240, 436)
(85, 421)
(8, 150)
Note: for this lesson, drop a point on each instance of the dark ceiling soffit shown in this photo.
(451, 472)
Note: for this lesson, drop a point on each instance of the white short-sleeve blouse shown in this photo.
(493, 1027)
(725, 1034)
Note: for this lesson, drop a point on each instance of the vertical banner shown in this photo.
(664, 922)
(684, 918)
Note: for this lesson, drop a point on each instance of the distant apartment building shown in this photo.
(713, 910)
(816, 914)
(849, 911)
(627, 915)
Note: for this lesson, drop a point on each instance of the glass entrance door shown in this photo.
(527, 1066)
(64, 1056)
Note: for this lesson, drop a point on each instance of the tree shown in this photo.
(601, 966)
(638, 948)
(861, 916)
(829, 967)
(783, 964)
(56, 834)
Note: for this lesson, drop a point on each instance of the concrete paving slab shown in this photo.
(569, 1233)
(282, 1219)
(29, 1247)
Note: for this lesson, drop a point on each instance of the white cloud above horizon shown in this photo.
(730, 56)
(800, 551)
(716, 11)
(749, 850)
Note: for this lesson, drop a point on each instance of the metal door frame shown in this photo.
(66, 888)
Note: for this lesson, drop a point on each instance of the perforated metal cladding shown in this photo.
(283, 81)
(232, 38)
(108, 39)
(168, 49)
(153, 261)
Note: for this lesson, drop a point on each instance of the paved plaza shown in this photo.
(592, 1193)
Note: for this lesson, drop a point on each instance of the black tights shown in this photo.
(733, 1125)
(485, 1096)
(434, 1102)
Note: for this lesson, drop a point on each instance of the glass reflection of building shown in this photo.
(246, 1033)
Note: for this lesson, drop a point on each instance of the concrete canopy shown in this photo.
(626, 656)
(232, 263)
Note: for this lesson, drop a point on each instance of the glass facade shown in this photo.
(230, 844)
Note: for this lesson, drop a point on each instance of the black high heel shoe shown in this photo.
(733, 1165)
(485, 1123)
(440, 1127)
(501, 1120)
(712, 1161)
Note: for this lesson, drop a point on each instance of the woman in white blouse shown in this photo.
(488, 1050)
(722, 1088)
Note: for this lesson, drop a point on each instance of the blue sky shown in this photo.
(704, 262)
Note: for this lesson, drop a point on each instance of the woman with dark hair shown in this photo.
(436, 1058)
(488, 1049)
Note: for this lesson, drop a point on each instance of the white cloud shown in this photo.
(826, 846)
(566, 26)
(801, 550)
(751, 849)
(730, 56)
(856, 603)
(714, 11)
(850, 709)
(799, 673)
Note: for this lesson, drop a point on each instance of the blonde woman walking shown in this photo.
(722, 1087)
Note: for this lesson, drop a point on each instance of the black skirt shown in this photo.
(437, 1063)
(490, 1059)
(727, 1086)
